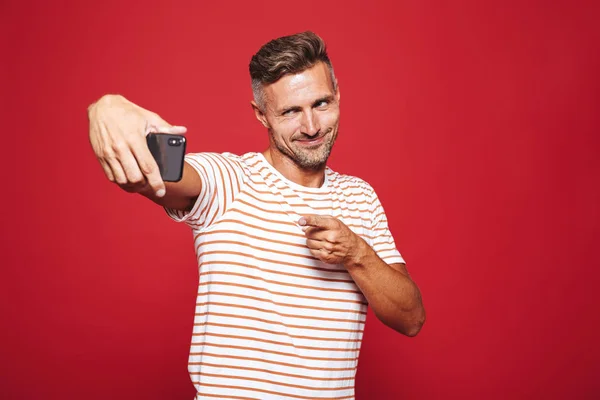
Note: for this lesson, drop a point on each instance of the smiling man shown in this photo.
(290, 252)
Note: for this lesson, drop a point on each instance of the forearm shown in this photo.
(178, 195)
(393, 296)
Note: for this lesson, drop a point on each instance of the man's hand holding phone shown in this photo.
(118, 135)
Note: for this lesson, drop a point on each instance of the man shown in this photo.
(290, 252)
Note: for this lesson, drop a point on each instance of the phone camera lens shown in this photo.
(174, 142)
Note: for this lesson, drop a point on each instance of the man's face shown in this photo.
(302, 114)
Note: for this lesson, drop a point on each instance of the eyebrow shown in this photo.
(327, 98)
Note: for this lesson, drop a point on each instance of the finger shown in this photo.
(319, 245)
(148, 166)
(107, 170)
(117, 171)
(327, 256)
(321, 234)
(158, 125)
(135, 187)
(130, 166)
(318, 221)
(173, 130)
(324, 255)
(306, 230)
(312, 231)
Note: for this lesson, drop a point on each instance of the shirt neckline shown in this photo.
(325, 187)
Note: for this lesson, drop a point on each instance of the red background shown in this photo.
(476, 122)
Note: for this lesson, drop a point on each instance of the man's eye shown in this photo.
(322, 103)
(288, 112)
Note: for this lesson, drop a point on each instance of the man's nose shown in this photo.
(310, 124)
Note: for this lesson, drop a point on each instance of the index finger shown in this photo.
(317, 221)
(158, 125)
(148, 165)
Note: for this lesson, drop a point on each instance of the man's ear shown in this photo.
(260, 116)
(337, 91)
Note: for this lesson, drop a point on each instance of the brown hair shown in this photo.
(286, 55)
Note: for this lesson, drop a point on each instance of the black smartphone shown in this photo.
(168, 151)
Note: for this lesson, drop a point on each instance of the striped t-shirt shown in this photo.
(271, 320)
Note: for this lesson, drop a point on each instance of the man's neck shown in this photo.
(304, 177)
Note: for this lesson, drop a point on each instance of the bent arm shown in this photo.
(391, 293)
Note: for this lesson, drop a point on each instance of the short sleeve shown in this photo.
(222, 178)
(383, 242)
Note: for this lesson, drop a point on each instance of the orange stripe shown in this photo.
(272, 281)
(237, 179)
(303, 327)
(235, 166)
(309, 317)
(340, 216)
(251, 338)
(199, 165)
(362, 189)
(382, 213)
(262, 200)
(282, 293)
(257, 268)
(201, 170)
(365, 211)
(215, 160)
(280, 353)
(228, 396)
(247, 255)
(243, 296)
(255, 164)
(268, 371)
(227, 167)
(302, 204)
(278, 383)
(384, 239)
(269, 193)
(286, 253)
(219, 210)
(271, 392)
(267, 362)
(286, 223)
(270, 231)
(286, 334)
(209, 207)
(384, 249)
(242, 233)
(222, 176)
(263, 182)
(267, 211)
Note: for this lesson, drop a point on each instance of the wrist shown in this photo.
(360, 251)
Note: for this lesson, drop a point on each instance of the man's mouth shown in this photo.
(313, 141)
(309, 142)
